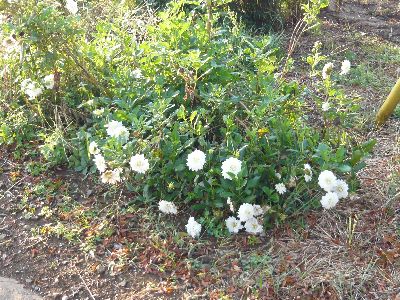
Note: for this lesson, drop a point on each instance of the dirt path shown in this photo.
(10, 289)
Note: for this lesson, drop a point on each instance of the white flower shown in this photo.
(48, 81)
(258, 210)
(111, 177)
(307, 173)
(167, 207)
(346, 65)
(196, 160)
(72, 6)
(233, 225)
(93, 148)
(139, 163)
(100, 163)
(117, 129)
(326, 71)
(231, 165)
(252, 226)
(278, 175)
(326, 106)
(341, 188)
(230, 203)
(329, 200)
(193, 228)
(98, 112)
(245, 212)
(327, 180)
(280, 188)
(31, 89)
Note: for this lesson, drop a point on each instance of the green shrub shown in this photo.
(195, 79)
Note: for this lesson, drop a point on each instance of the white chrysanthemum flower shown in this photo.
(280, 188)
(307, 173)
(71, 6)
(245, 212)
(193, 228)
(117, 129)
(100, 163)
(341, 188)
(327, 180)
(258, 210)
(230, 203)
(278, 175)
(326, 106)
(252, 226)
(346, 65)
(231, 165)
(329, 200)
(94, 148)
(167, 207)
(48, 81)
(111, 176)
(326, 71)
(307, 178)
(98, 112)
(139, 163)
(196, 160)
(233, 225)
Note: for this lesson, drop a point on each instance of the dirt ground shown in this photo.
(352, 253)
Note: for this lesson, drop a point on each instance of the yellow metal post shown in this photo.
(389, 105)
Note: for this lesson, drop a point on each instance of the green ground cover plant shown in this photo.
(188, 110)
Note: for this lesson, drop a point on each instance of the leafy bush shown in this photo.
(145, 96)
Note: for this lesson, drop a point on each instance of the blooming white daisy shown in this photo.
(346, 65)
(100, 163)
(341, 188)
(139, 163)
(252, 226)
(326, 71)
(231, 165)
(327, 180)
(167, 207)
(71, 6)
(245, 212)
(196, 160)
(48, 81)
(233, 224)
(98, 112)
(111, 176)
(258, 210)
(117, 129)
(307, 173)
(326, 106)
(329, 200)
(193, 228)
(280, 188)
(230, 203)
(94, 148)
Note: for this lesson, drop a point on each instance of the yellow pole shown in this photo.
(389, 105)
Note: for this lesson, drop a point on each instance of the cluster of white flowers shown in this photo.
(328, 67)
(247, 214)
(193, 228)
(167, 207)
(33, 89)
(335, 189)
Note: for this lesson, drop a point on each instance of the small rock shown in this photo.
(65, 297)
(2, 236)
(28, 281)
(122, 283)
(89, 192)
(100, 269)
